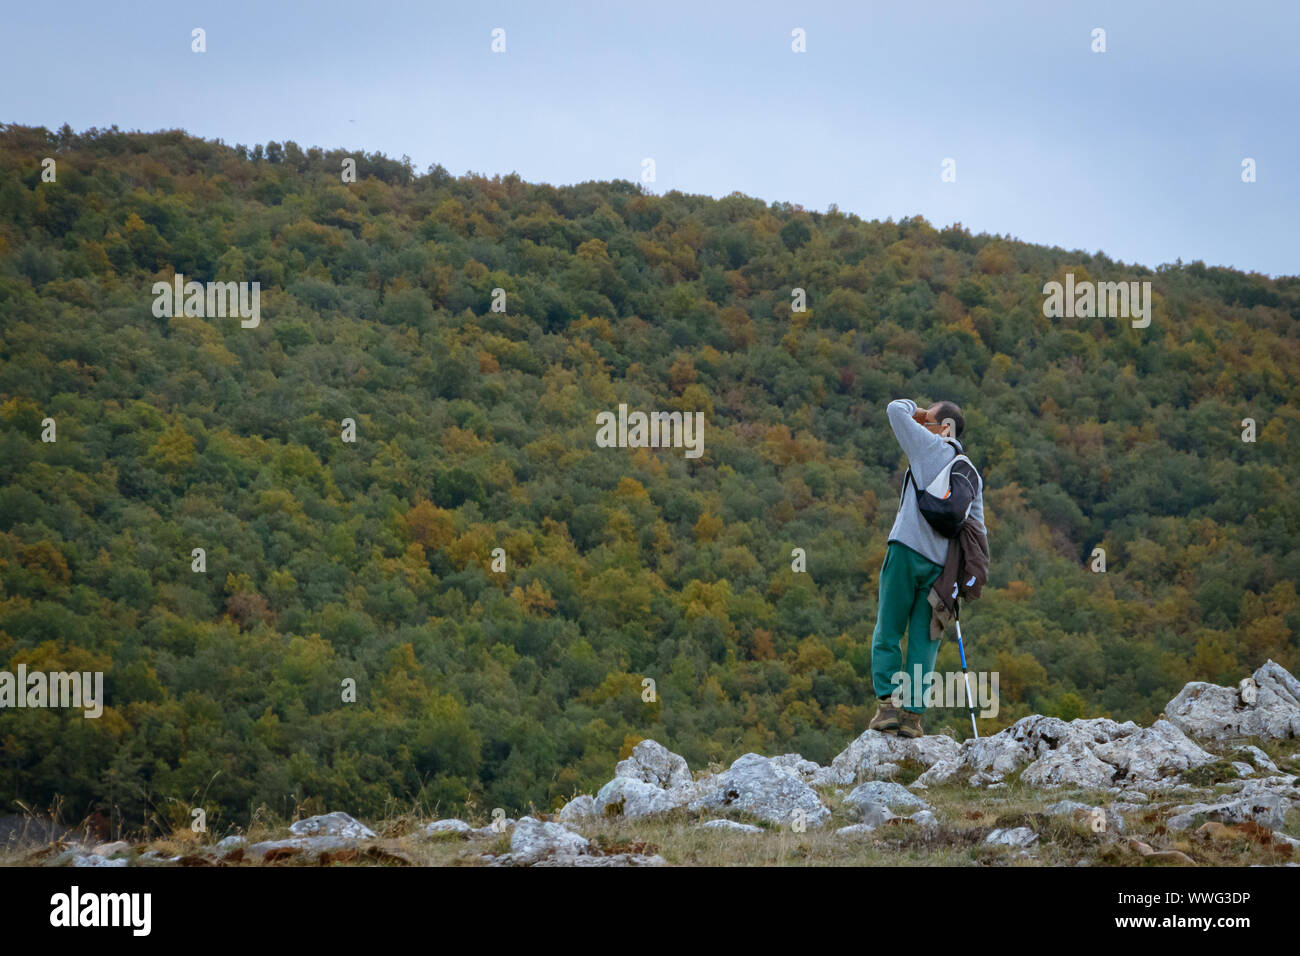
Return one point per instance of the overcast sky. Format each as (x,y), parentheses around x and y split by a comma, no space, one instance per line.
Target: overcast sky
(1136,152)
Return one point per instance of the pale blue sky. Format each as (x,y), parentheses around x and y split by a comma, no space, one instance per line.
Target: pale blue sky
(1136,152)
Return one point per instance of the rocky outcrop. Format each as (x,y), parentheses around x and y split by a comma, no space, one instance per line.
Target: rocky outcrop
(655,780)
(1240,794)
(1094,754)
(1265,705)
(877,756)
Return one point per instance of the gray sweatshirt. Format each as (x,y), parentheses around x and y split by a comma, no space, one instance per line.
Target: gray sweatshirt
(927,454)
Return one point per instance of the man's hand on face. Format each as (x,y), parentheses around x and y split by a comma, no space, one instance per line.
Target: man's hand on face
(926,418)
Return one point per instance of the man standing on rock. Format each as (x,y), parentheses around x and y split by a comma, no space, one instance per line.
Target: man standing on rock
(914,558)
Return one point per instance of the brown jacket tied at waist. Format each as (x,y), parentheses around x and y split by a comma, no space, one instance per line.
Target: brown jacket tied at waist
(964,574)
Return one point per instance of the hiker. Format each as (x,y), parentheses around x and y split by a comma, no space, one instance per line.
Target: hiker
(916,557)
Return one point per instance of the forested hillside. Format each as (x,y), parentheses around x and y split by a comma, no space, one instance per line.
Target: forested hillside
(475,430)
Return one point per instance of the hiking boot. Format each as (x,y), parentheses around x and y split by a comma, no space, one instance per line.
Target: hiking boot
(909,725)
(887,717)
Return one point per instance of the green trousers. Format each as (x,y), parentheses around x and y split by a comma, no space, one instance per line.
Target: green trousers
(905,580)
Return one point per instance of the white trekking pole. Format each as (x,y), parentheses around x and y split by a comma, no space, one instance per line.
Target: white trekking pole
(970,701)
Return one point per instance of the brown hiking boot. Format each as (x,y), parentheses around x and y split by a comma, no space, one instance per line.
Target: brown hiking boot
(887,717)
(909,724)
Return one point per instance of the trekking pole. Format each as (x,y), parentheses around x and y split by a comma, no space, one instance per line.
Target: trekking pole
(970,701)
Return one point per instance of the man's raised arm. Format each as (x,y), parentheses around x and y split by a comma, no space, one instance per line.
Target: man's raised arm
(915,439)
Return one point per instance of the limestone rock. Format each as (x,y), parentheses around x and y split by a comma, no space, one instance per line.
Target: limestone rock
(887,793)
(1152,753)
(580,807)
(1268,708)
(1070,765)
(651,762)
(763,787)
(876,756)
(806,769)
(1015,836)
(924,818)
(533,840)
(332,824)
(729,825)
(1258,758)
(447,826)
(1267,810)
(875,814)
(636,798)
(940,772)
(856,830)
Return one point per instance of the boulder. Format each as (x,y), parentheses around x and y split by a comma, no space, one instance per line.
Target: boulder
(1268,810)
(447,826)
(875,814)
(924,818)
(1267,707)
(1015,836)
(730,825)
(651,762)
(856,830)
(533,840)
(887,793)
(580,807)
(1152,753)
(1258,758)
(939,772)
(763,787)
(636,798)
(1072,765)
(876,756)
(806,769)
(332,824)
